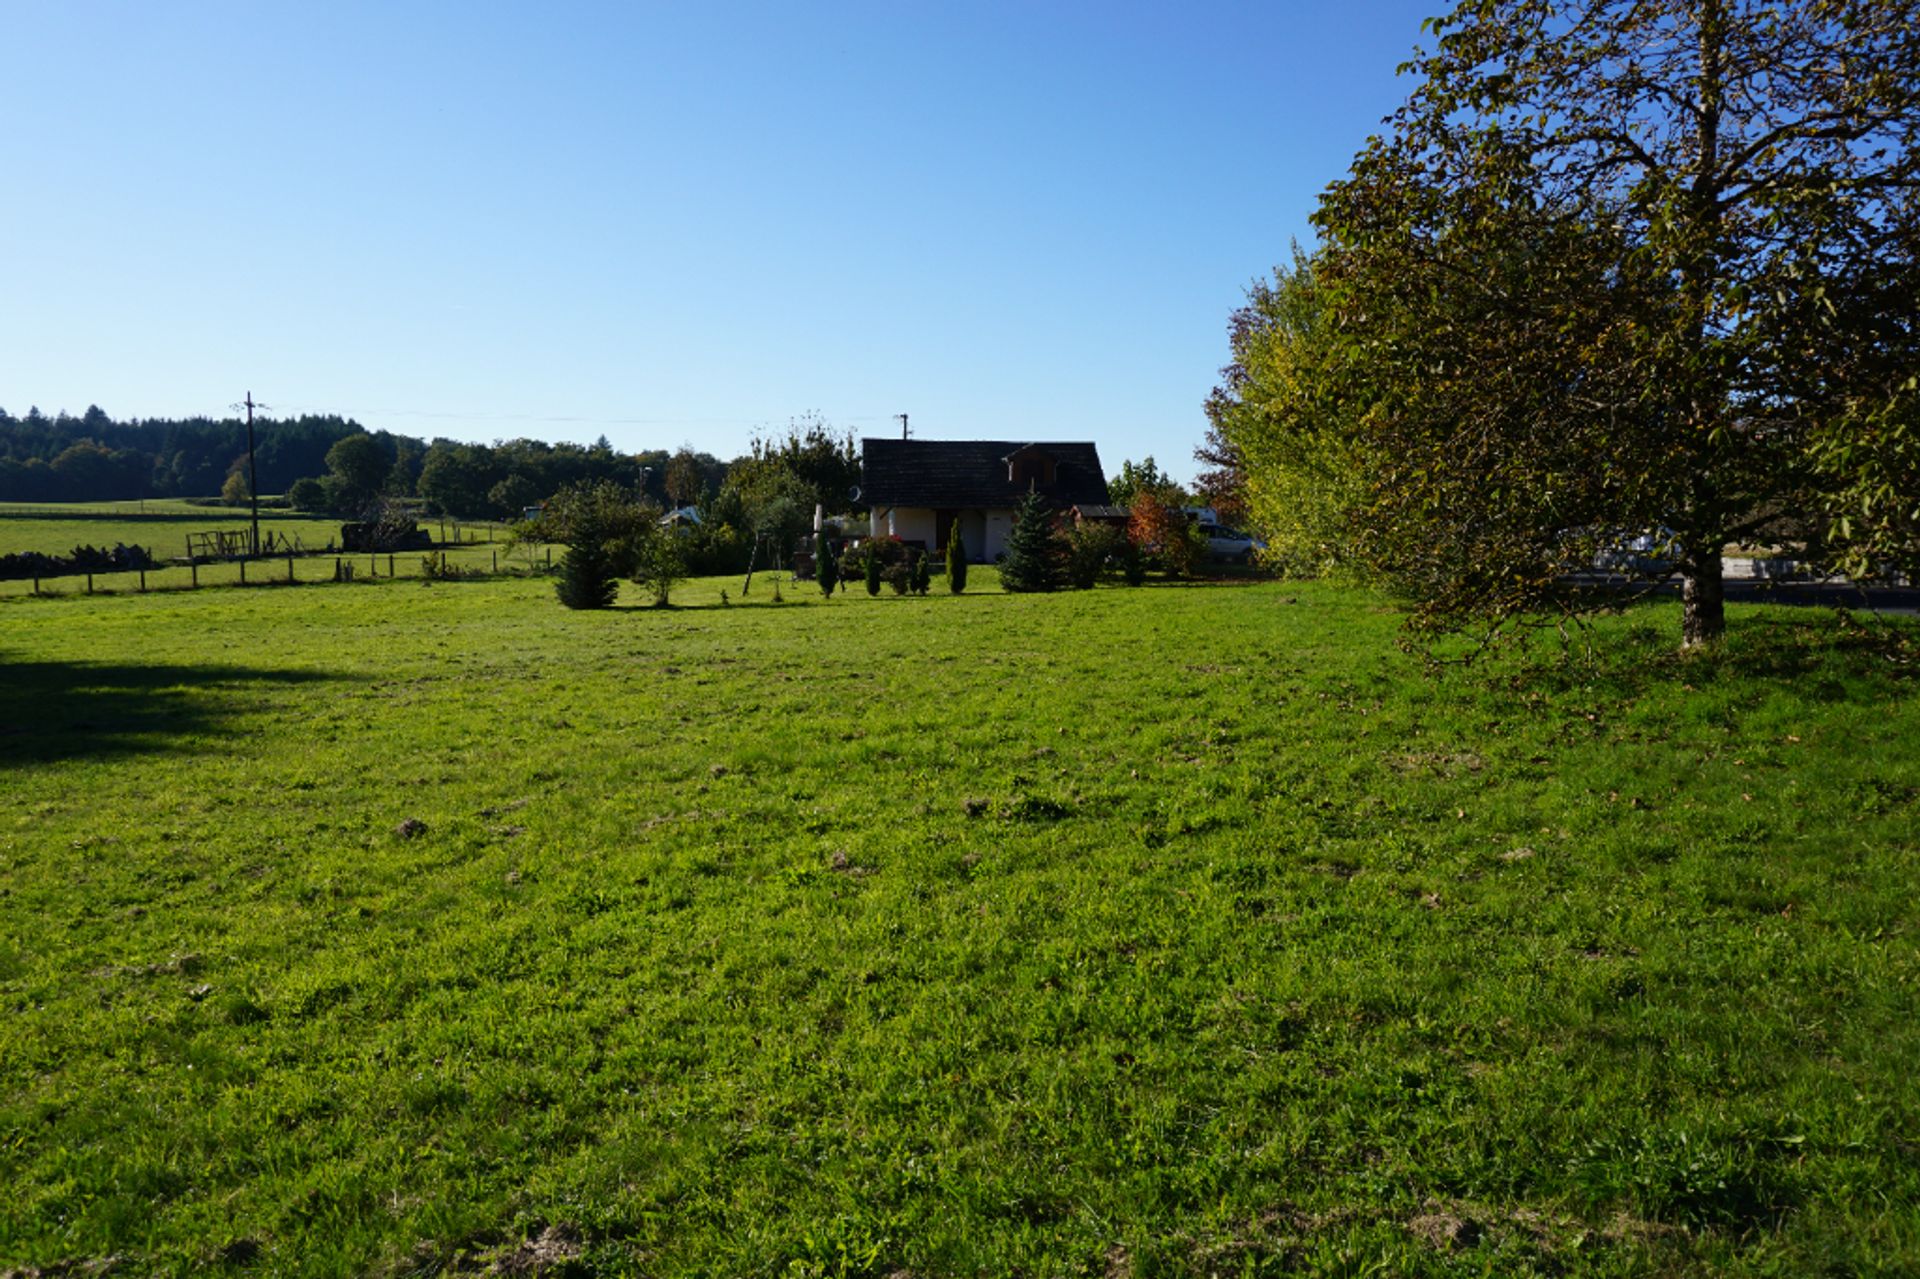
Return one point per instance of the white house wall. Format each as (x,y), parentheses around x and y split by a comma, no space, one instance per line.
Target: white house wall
(984,532)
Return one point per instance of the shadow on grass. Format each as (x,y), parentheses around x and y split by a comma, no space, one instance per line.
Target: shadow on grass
(52,711)
(1828,657)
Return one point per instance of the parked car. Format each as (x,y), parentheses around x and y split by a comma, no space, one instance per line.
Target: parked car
(1225,543)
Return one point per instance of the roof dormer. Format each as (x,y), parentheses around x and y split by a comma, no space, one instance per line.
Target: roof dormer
(1030,466)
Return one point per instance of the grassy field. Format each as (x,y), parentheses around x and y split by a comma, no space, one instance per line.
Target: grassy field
(162,524)
(404,928)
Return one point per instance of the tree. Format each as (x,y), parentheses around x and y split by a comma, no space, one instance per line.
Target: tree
(1033,553)
(956,560)
(1142,477)
(234,491)
(683,482)
(1279,425)
(871,567)
(1159,530)
(922,573)
(359,467)
(655,558)
(606,532)
(826,570)
(306,494)
(1620,265)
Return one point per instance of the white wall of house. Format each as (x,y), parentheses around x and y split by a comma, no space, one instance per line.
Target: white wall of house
(984,532)
(911,524)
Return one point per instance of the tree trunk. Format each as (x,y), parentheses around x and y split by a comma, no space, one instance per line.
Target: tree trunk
(1703,602)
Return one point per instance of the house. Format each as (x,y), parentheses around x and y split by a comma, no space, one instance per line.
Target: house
(920,489)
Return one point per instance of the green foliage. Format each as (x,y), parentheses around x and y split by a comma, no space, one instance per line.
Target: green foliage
(870,565)
(359,467)
(1303,470)
(234,491)
(307,495)
(1143,477)
(609,534)
(1090,548)
(956,561)
(1553,330)
(922,572)
(1033,548)
(826,566)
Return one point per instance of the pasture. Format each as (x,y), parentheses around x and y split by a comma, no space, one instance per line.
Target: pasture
(407,928)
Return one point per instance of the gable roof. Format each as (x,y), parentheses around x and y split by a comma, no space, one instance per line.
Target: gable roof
(973,473)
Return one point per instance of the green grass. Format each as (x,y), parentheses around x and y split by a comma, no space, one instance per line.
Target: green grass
(397,928)
(162,525)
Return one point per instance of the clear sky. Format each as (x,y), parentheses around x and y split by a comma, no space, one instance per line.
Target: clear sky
(667,223)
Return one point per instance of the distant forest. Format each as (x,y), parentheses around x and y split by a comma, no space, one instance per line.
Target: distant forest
(335,465)
(95,458)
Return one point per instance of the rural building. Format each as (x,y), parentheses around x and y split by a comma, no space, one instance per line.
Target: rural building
(919,489)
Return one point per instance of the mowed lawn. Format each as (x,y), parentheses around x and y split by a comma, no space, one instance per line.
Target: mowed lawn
(398,928)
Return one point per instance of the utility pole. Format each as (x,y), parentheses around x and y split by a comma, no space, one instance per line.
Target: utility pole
(903,424)
(253,477)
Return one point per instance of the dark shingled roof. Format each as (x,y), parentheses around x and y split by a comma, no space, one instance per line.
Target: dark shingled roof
(972,473)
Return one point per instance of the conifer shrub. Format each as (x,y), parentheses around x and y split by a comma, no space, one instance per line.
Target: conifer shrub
(1033,552)
(871,570)
(956,561)
(826,570)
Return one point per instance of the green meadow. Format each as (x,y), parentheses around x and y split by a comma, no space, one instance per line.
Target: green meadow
(406,928)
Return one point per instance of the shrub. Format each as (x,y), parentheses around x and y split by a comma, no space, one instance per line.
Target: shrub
(307,495)
(825,570)
(1089,549)
(656,561)
(872,568)
(922,573)
(956,561)
(899,577)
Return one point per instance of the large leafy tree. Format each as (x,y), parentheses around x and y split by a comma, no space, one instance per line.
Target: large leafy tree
(1631,264)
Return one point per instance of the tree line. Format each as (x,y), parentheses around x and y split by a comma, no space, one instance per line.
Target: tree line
(1615,270)
(334,465)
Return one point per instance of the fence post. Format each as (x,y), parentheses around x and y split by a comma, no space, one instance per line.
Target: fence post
(289,570)
(193,567)
(89,583)
(549,557)
(496,561)
(243,571)
(389,566)
(336,568)
(36,584)
(143,581)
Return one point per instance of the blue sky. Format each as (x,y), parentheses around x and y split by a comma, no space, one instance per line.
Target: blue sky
(667,224)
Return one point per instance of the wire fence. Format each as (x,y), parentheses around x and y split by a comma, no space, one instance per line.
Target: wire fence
(472,560)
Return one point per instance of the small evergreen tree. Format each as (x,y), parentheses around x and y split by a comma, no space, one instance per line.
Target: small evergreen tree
(825,569)
(1032,557)
(922,574)
(587,576)
(956,561)
(873,569)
